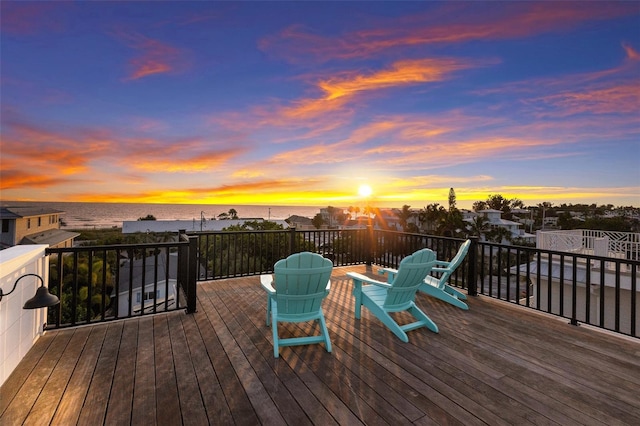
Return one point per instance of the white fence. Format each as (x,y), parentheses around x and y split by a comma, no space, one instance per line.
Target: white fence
(20,328)
(620,245)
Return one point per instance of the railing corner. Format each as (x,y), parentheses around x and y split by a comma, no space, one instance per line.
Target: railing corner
(472,276)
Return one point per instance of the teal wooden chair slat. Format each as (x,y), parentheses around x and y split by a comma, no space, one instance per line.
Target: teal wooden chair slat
(295,294)
(397,294)
(439,287)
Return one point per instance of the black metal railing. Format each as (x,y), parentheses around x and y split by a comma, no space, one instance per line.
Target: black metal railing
(104,283)
(548,281)
(94,283)
(223,254)
(594,290)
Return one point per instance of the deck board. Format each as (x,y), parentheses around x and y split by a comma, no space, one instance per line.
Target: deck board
(494,364)
(144,395)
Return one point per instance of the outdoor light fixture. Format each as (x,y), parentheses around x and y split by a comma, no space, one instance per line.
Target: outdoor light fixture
(42,299)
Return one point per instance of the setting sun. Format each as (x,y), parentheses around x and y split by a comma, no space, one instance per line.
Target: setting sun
(365,190)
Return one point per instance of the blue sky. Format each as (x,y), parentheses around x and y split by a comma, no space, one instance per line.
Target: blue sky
(302,103)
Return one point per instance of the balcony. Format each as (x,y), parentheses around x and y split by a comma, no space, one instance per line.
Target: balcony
(207,358)
(496,363)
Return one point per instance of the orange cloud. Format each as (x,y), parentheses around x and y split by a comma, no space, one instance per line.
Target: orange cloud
(615,98)
(401,73)
(632,54)
(340,90)
(40,148)
(76,152)
(154,57)
(150,161)
(17,177)
(446,24)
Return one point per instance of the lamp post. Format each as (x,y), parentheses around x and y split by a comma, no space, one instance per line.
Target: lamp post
(42,299)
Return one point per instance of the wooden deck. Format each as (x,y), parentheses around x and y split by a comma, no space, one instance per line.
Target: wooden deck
(494,364)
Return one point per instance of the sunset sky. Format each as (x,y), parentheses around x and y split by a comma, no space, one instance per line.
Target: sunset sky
(301,103)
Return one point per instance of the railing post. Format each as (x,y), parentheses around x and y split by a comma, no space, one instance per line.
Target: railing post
(472,262)
(292,240)
(370,244)
(192,276)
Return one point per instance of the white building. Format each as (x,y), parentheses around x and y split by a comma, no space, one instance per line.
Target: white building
(494,220)
(147,284)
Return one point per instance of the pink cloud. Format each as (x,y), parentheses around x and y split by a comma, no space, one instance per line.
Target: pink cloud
(28,18)
(614,90)
(154,57)
(448,24)
(632,54)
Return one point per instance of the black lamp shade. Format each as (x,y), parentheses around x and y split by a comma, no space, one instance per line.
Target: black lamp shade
(42,299)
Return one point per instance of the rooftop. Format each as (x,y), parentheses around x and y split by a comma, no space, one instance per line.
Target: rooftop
(14,212)
(494,364)
(52,237)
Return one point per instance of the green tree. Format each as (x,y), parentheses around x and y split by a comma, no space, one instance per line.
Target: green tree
(452,199)
(255,225)
(478,226)
(498,202)
(317,221)
(432,217)
(479,206)
(353,211)
(81,296)
(404,215)
(498,235)
(452,224)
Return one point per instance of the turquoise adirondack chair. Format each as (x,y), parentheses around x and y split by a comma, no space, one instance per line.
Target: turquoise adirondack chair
(397,294)
(439,288)
(295,294)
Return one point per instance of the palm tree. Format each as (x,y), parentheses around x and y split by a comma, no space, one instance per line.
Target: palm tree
(478,226)
(404,215)
(432,217)
(499,234)
(353,212)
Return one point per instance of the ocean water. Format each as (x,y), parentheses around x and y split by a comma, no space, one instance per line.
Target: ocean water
(108,215)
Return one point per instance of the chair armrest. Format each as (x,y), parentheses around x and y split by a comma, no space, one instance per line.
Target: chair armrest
(391,273)
(267,283)
(440,269)
(328,285)
(442,263)
(365,279)
(387,270)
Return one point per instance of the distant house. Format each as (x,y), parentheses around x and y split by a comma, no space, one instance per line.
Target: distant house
(33,225)
(390,219)
(360,222)
(333,216)
(300,222)
(494,220)
(150,282)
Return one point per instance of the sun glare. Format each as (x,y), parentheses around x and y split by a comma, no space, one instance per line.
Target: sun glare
(365,190)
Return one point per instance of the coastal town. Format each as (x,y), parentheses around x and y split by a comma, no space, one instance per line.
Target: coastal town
(495,219)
